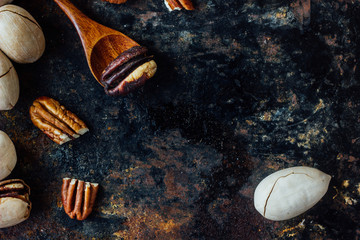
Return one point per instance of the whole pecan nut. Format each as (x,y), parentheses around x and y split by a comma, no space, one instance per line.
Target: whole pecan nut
(15,205)
(130,70)
(78,197)
(179,4)
(54,120)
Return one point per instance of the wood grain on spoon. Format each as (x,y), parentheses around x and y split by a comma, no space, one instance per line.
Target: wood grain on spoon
(101,44)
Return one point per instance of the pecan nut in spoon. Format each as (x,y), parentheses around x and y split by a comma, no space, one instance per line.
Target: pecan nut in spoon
(130,70)
(102,45)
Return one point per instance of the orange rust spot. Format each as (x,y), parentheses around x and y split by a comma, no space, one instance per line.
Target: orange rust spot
(289,230)
(150,224)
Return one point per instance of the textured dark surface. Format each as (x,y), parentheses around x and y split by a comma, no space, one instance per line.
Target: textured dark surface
(243,88)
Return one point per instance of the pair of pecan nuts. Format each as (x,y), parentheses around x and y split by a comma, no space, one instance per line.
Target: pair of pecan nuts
(61,125)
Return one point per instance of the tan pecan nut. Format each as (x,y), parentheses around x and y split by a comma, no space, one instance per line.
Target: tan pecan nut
(178,5)
(54,120)
(15,205)
(78,197)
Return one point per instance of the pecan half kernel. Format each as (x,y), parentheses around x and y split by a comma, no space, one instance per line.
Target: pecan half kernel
(178,5)
(15,205)
(78,197)
(54,120)
(130,70)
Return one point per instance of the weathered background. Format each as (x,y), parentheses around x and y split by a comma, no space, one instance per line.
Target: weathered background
(243,88)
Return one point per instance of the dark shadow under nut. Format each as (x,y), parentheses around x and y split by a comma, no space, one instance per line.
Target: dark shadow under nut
(130,70)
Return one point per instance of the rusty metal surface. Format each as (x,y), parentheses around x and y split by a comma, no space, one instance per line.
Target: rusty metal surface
(243,88)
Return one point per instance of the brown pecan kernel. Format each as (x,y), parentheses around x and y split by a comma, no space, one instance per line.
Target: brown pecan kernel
(179,4)
(78,197)
(55,121)
(130,70)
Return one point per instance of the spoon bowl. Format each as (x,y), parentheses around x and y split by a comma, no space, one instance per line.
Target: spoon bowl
(105,51)
(101,44)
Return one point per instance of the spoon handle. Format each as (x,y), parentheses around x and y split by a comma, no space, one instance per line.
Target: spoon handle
(88,30)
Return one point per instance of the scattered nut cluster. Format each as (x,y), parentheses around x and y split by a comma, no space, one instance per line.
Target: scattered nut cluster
(23,41)
(280,196)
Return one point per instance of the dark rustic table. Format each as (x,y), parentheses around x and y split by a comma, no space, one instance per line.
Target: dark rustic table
(243,88)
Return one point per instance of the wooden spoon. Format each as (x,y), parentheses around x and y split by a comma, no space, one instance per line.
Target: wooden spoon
(101,44)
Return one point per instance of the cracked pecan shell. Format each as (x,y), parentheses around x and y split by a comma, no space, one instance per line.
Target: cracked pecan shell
(15,205)
(56,121)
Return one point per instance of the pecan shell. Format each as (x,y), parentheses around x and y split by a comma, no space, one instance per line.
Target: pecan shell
(78,197)
(54,120)
(15,205)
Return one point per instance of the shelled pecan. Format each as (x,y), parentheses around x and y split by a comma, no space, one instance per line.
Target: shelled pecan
(55,121)
(78,197)
(179,4)
(130,70)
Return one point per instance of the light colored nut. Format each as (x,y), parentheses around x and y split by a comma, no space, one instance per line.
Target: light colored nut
(21,38)
(9,84)
(3,2)
(290,192)
(15,205)
(7,155)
